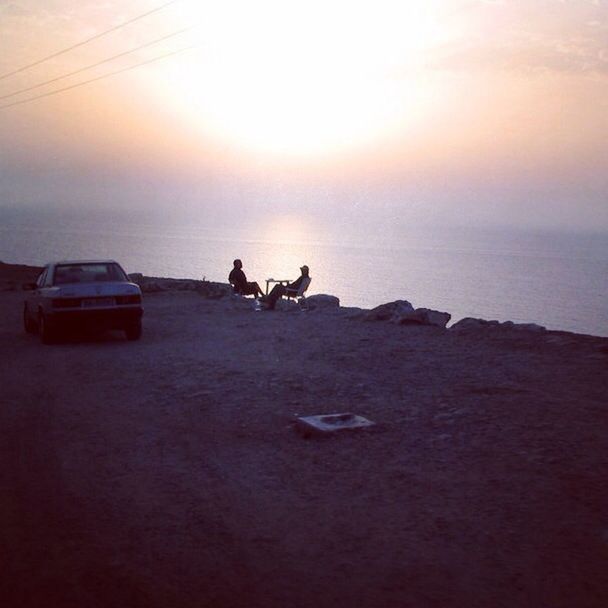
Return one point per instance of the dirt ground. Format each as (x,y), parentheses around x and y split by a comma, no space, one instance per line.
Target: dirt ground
(168,473)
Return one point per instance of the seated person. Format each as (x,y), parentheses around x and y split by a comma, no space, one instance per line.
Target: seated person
(239,281)
(290,289)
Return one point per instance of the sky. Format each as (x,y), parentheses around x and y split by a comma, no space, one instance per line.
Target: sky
(381,112)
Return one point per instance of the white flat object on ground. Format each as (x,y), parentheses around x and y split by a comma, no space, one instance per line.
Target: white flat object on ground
(325,424)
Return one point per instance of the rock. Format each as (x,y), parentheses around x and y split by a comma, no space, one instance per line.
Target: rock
(533,327)
(151,287)
(287,304)
(207,289)
(469,323)
(423,316)
(401,312)
(385,312)
(187,285)
(352,312)
(436,317)
(322,301)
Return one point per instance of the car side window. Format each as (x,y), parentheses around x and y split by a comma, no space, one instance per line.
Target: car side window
(48,279)
(42,277)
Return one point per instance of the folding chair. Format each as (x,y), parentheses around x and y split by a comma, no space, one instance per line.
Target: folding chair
(298,294)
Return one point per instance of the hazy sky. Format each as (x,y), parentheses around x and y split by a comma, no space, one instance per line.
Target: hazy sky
(422,112)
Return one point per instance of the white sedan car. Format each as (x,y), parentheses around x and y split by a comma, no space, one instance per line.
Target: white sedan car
(95,294)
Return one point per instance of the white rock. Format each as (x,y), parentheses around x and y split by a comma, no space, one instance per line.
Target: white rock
(388,311)
(436,317)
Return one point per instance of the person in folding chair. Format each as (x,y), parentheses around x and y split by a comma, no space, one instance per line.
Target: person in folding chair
(291,290)
(239,282)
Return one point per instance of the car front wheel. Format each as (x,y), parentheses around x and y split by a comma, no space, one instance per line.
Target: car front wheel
(28,324)
(133,331)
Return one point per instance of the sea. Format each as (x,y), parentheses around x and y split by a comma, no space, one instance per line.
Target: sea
(553,278)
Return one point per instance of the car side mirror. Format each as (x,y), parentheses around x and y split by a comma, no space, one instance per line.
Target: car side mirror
(29,286)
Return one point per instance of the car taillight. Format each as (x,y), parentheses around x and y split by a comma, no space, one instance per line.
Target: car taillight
(135,299)
(66,302)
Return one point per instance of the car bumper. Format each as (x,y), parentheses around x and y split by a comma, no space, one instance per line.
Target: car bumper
(107,318)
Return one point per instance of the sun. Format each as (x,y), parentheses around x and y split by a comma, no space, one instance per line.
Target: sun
(312,78)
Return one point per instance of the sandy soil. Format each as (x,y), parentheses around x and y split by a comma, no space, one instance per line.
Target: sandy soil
(168,473)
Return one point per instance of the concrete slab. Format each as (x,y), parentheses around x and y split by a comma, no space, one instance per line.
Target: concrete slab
(326,424)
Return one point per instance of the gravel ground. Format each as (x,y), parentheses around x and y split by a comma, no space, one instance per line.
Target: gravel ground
(167,472)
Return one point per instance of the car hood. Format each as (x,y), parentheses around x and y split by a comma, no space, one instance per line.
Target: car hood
(105,288)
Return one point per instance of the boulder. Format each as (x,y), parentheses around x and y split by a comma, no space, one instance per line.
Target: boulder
(287,305)
(423,316)
(352,312)
(533,327)
(469,323)
(322,301)
(387,311)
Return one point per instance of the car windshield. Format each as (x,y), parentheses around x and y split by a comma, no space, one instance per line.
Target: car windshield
(88,273)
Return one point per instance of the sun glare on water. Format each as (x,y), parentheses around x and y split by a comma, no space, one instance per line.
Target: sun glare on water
(311,78)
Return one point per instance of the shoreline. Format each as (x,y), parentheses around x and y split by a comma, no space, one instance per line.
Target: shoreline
(13,275)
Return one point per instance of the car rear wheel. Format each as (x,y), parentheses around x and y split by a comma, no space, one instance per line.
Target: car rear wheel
(47,334)
(29,325)
(133,331)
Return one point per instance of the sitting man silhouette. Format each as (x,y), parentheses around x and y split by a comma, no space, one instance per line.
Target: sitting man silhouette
(280,290)
(240,284)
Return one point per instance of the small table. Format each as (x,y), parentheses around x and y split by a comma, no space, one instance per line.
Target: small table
(281,281)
